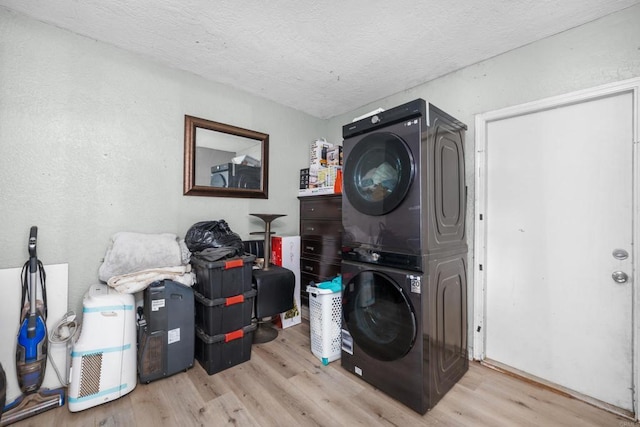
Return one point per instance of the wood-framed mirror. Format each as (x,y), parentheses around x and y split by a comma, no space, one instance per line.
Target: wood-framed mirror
(222,160)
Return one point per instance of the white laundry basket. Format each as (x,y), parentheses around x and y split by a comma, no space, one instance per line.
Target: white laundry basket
(325,314)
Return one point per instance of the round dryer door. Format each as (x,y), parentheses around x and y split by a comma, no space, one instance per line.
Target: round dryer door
(378,173)
(378,315)
(219,179)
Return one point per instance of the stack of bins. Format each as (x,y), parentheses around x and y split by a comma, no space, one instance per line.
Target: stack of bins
(224,305)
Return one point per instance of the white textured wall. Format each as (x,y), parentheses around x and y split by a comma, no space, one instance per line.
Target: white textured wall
(91,136)
(600,52)
(91,143)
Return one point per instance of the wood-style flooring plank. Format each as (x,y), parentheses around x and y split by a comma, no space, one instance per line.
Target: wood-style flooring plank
(260,400)
(321,390)
(284,384)
(150,404)
(181,398)
(281,358)
(305,412)
(224,410)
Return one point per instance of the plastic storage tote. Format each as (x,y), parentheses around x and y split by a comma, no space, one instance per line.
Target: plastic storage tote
(219,352)
(325,318)
(222,315)
(224,278)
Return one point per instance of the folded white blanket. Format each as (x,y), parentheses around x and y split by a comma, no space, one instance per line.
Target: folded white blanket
(130,252)
(138,281)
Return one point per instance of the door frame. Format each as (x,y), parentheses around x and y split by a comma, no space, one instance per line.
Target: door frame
(482,121)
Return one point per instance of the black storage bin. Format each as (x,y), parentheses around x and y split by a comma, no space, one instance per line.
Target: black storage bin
(222,315)
(224,278)
(219,352)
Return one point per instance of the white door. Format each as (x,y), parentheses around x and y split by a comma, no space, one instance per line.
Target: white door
(558,222)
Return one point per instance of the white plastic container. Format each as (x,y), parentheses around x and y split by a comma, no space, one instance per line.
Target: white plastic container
(325,321)
(103,360)
(285,252)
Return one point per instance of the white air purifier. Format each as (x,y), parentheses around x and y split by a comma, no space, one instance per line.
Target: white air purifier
(103,359)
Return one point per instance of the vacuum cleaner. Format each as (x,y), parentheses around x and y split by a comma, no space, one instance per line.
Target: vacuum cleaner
(32,345)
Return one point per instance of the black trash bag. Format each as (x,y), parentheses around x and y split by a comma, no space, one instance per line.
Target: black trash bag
(213,234)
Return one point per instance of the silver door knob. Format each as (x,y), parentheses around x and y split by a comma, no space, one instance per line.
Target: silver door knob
(620,277)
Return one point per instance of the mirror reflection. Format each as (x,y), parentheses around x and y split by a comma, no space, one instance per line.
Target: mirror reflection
(227,161)
(224,160)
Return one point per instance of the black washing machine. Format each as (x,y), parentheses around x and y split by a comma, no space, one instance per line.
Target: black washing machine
(231,175)
(403,186)
(404,332)
(404,250)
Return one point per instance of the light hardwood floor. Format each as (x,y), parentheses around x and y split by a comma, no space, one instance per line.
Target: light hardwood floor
(284,384)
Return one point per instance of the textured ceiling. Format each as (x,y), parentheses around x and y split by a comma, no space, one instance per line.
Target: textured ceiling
(323,58)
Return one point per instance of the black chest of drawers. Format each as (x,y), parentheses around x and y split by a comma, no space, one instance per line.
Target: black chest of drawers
(320,240)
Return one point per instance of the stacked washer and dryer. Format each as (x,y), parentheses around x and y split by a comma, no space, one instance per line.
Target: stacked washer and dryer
(404,251)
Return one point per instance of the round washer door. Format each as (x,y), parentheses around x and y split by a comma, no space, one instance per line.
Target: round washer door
(219,179)
(379,316)
(377,174)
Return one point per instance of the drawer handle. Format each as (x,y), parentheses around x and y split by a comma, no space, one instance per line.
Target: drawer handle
(310,248)
(308,268)
(310,229)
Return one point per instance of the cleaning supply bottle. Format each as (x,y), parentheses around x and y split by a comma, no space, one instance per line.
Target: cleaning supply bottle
(337,185)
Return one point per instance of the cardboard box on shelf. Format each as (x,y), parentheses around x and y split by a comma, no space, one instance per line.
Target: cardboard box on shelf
(313,176)
(285,252)
(334,156)
(327,176)
(304,178)
(321,181)
(318,154)
(315,191)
